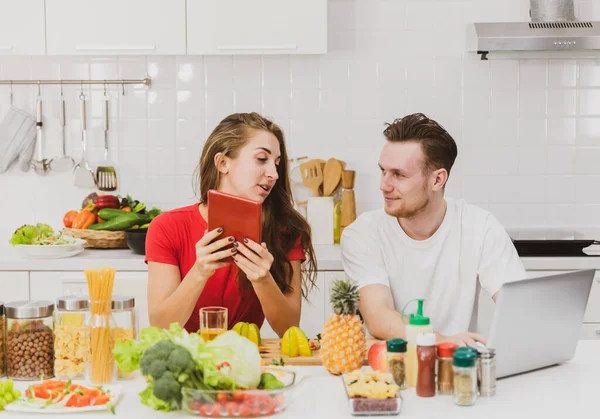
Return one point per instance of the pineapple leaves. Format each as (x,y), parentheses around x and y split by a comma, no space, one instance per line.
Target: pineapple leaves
(344,297)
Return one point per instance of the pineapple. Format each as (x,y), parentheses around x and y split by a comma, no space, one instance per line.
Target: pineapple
(343,343)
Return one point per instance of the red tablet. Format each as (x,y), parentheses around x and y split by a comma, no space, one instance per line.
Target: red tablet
(239,217)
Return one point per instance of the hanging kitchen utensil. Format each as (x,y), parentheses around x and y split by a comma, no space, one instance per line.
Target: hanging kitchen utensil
(41,166)
(62,163)
(106,174)
(83,175)
(312,176)
(332,175)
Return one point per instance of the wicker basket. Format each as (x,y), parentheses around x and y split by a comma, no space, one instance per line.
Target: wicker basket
(99,239)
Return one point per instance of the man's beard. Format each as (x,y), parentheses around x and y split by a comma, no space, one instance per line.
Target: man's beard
(410,211)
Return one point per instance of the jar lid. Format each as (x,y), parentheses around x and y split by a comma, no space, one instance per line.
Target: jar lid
(122,302)
(26,309)
(464,358)
(1,308)
(467,349)
(446,349)
(426,339)
(72,303)
(486,353)
(396,345)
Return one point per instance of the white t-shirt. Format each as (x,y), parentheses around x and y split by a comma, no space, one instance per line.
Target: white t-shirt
(444,269)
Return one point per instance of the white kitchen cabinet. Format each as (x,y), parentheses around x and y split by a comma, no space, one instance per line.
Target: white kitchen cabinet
(115,27)
(14,286)
(313,312)
(22,27)
(216,27)
(51,285)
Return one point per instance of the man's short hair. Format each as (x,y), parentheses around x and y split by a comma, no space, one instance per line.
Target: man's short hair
(438,146)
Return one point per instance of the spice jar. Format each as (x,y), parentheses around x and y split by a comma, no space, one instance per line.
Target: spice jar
(396,357)
(70,337)
(465,378)
(29,340)
(2,342)
(426,365)
(445,380)
(486,372)
(126,321)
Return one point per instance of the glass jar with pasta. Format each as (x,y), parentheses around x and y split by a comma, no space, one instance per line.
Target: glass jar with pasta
(100,366)
(125,316)
(70,337)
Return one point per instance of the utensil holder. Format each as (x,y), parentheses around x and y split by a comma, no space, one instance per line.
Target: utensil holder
(319,214)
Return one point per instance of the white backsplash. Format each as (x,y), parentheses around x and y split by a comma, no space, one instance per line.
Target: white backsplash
(528,130)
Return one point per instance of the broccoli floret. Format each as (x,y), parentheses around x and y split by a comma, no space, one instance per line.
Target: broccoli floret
(167,388)
(157,369)
(171,367)
(159,351)
(180,361)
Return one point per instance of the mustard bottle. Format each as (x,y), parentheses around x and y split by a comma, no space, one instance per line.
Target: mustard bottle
(417,324)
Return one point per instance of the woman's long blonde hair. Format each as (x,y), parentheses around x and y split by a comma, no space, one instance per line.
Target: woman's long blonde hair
(282,224)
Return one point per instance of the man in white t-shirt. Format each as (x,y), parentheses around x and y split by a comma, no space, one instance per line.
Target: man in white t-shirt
(422,245)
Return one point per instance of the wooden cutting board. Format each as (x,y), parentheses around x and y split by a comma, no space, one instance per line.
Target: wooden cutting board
(270,350)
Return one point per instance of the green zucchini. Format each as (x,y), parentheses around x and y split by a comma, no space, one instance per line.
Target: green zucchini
(122,222)
(110,213)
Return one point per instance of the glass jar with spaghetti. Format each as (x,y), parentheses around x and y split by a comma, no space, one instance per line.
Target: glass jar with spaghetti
(100,366)
(29,340)
(126,320)
(70,337)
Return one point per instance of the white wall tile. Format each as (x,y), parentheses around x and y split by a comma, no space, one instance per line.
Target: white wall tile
(562,103)
(247,100)
(562,73)
(190,73)
(589,102)
(162,104)
(588,131)
(561,159)
(247,72)
(589,73)
(277,72)
(586,160)
(532,160)
(561,130)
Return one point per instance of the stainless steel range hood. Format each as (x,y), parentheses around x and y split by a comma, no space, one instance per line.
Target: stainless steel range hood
(485,38)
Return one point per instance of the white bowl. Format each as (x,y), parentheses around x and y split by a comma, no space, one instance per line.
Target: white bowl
(50,251)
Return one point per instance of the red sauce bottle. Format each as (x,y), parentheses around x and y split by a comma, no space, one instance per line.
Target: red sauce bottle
(426,358)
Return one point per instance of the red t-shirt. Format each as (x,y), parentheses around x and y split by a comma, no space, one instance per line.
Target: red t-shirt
(172,239)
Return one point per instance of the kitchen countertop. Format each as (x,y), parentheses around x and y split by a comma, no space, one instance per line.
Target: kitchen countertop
(568,390)
(328,259)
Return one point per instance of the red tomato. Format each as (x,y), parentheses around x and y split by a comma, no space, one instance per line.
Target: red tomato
(239,396)
(215,410)
(232,408)
(245,410)
(223,398)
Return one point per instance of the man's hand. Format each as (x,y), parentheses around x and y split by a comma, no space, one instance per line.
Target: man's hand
(462,339)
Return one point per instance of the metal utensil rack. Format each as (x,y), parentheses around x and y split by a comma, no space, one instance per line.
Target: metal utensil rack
(146,81)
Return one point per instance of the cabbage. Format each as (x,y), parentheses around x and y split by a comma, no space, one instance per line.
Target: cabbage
(242,356)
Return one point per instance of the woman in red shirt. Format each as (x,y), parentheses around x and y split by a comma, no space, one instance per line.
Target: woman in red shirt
(245,155)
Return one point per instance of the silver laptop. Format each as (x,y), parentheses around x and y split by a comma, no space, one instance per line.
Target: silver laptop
(537,321)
